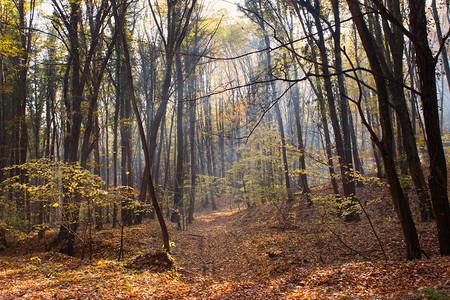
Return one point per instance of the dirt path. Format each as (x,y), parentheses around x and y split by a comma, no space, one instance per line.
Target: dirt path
(240,246)
(210,246)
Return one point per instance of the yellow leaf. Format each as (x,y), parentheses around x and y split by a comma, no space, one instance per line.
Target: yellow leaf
(56,204)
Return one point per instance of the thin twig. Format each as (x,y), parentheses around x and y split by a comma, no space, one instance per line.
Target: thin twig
(346,246)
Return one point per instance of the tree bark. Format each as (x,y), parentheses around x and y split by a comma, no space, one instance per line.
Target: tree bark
(303,178)
(399,198)
(193,166)
(426,64)
(179,180)
(119,21)
(408,140)
(348,177)
(71,207)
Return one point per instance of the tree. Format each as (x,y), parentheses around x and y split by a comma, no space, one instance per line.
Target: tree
(255,10)
(407,143)
(426,64)
(77,76)
(16,38)
(119,17)
(179,178)
(342,148)
(399,198)
(176,22)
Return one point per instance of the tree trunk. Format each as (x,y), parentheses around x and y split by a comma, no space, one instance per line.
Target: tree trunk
(324,122)
(347,180)
(176,33)
(210,154)
(303,178)
(348,177)
(408,141)
(165,233)
(274,99)
(192,119)
(179,180)
(192,130)
(426,64)
(399,198)
(3,151)
(71,204)
(115,151)
(98,205)
(123,97)
(444,53)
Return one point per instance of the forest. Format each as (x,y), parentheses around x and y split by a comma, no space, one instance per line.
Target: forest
(206,149)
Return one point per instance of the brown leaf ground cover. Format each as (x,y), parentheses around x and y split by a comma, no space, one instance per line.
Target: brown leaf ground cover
(273,251)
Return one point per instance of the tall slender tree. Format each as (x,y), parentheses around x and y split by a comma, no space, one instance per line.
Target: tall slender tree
(399,198)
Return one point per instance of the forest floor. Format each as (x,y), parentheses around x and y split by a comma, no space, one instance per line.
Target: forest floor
(272,251)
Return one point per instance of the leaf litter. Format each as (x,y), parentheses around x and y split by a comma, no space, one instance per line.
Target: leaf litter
(230,254)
